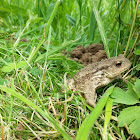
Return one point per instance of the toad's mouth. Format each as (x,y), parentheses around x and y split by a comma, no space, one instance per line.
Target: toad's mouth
(124,69)
(115,74)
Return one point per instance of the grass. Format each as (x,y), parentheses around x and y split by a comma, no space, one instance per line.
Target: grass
(32,36)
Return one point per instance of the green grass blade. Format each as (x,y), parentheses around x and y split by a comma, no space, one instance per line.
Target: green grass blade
(31,104)
(36,94)
(60,47)
(21,33)
(86,126)
(52,16)
(36,50)
(108,112)
(131,28)
(92,26)
(101,28)
(46,30)
(12,100)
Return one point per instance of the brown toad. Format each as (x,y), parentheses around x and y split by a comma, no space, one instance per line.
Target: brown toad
(96,75)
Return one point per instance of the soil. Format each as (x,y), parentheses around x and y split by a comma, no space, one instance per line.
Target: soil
(14,39)
(88,55)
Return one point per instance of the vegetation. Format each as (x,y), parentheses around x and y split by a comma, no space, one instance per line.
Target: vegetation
(33,69)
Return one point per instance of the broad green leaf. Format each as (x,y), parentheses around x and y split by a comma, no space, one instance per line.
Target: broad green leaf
(138,67)
(8,68)
(87,124)
(35,71)
(21,64)
(123,97)
(137,51)
(11,66)
(3,82)
(135,128)
(137,87)
(128,115)
(131,91)
(45,114)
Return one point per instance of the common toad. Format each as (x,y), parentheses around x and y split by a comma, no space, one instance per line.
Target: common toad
(96,75)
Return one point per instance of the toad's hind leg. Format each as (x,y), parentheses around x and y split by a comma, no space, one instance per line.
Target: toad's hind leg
(91,97)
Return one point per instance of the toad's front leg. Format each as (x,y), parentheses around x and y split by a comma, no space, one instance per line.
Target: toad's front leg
(91,97)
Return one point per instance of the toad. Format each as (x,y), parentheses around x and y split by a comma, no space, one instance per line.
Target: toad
(96,75)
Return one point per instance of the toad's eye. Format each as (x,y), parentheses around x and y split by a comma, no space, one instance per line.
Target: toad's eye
(118,64)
